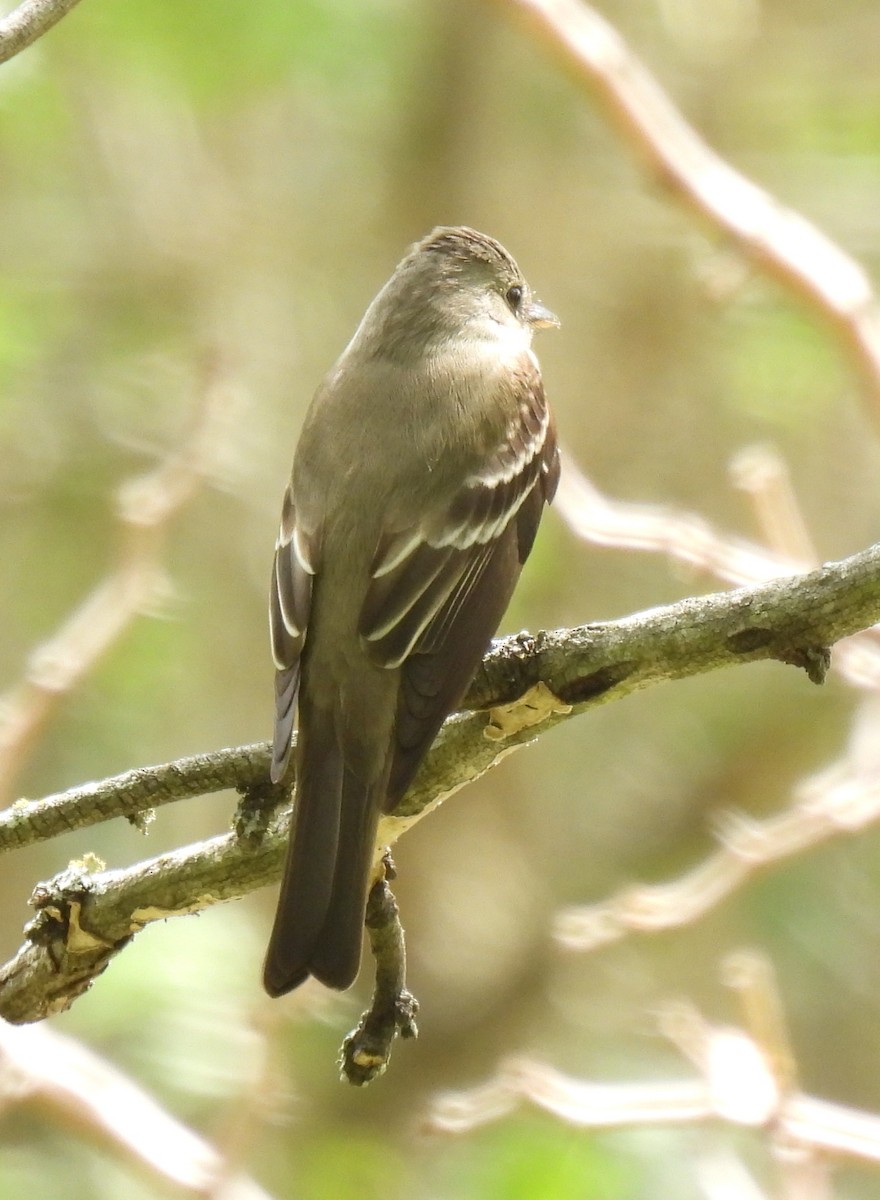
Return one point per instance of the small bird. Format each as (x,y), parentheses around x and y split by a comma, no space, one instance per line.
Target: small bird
(422,470)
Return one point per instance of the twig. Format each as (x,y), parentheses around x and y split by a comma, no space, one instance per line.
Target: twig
(658,529)
(131,794)
(762,474)
(29,21)
(828,1127)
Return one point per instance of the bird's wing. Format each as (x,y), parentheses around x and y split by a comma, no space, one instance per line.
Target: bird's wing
(290,599)
(440,587)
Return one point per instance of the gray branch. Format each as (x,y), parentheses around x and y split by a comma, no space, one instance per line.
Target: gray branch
(525,686)
(29,21)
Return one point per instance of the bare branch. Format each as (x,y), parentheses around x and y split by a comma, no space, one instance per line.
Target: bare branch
(762,474)
(828,1127)
(30,21)
(84,919)
(838,800)
(131,794)
(136,586)
(741,1081)
(776,239)
(581,667)
(684,536)
(44,1067)
(689,539)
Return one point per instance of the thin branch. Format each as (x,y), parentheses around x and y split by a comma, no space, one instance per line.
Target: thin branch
(527,685)
(42,1066)
(739,1083)
(839,800)
(131,794)
(683,536)
(136,586)
(827,1127)
(689,539)
(762,474)
(29,21)
(778,240)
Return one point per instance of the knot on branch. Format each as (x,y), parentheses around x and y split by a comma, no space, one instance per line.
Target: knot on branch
(61,956)
(766,643)
(258,805)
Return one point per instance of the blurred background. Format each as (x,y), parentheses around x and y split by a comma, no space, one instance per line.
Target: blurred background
(197,204)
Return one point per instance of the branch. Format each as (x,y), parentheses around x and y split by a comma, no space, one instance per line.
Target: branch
(744,1078)
(145,505)
(132,794)
(803,1119)
(687,538)
(45,1068)
(838,800)
(366,1051)
(587,665)
(527,685)
(778,240)
(30,21)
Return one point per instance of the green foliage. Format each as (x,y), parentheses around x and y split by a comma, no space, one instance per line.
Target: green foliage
(347,1166)
(219,55)
(782,371)
(537,1160)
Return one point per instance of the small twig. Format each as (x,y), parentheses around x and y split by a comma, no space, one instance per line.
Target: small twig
(366,1051)
(684,537)
(827,1127)
(752,977)
(132,794)
(29,21)
(763,475)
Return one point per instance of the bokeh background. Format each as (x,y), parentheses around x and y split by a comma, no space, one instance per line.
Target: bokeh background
(205,197)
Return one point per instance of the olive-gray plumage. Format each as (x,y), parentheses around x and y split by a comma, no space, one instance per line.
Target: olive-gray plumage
(422,469)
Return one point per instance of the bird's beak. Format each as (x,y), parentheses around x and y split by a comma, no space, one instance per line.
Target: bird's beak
(540,317)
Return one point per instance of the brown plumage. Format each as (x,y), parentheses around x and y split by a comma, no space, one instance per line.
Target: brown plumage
(419,480)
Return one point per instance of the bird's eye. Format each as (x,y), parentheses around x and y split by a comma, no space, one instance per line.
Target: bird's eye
(514,296)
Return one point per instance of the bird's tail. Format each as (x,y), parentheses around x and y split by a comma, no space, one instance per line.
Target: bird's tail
(319,923)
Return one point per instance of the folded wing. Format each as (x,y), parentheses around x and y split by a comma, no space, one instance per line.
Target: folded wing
(290,599)
(440,587)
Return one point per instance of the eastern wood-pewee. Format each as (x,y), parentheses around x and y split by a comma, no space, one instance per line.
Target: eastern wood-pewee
(424,464)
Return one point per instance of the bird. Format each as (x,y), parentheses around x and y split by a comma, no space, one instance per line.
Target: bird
(423,466)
